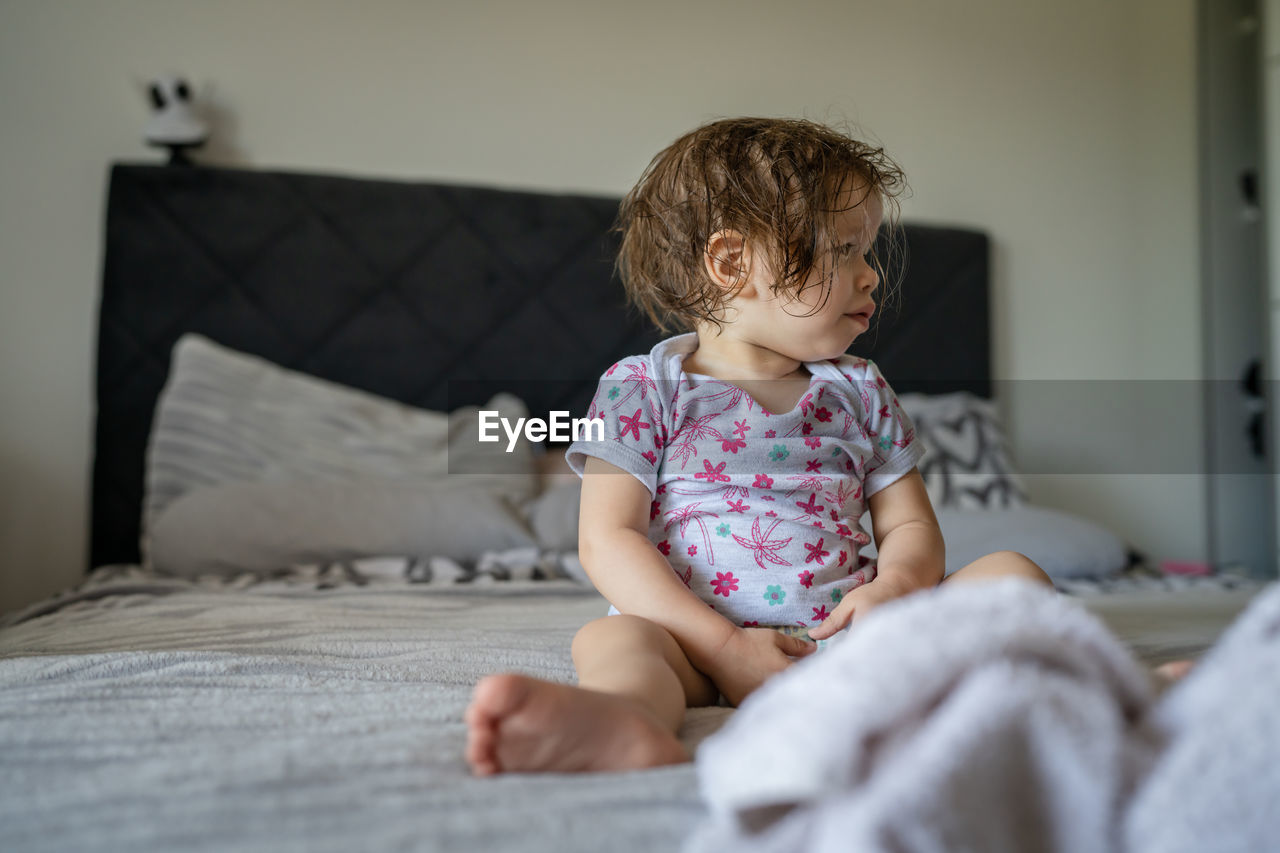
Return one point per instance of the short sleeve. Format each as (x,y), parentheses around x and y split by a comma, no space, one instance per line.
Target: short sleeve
(627,404)
(895,448)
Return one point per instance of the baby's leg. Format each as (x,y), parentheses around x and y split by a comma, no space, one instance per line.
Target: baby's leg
(634,682)
(1001,564)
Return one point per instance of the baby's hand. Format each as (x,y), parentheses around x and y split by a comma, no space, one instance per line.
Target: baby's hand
(859,603)
(750,656)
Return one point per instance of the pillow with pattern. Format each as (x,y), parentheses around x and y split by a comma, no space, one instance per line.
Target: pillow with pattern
(966,463)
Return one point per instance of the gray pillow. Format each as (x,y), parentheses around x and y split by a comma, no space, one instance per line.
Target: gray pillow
(264,527)
(553,516)
(1065,546)
(226,418)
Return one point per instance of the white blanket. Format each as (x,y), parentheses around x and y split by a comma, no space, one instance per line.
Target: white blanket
(1000,717)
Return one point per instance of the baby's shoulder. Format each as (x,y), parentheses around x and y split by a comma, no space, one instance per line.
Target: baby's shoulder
(631,367)
(857,369)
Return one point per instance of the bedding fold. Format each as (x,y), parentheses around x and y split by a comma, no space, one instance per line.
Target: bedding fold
(1001,717)
(990,717)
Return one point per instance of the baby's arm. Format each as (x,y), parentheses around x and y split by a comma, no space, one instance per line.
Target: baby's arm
(627,569)
(910,550)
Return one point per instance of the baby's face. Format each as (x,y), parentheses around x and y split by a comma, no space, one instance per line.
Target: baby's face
(836,303)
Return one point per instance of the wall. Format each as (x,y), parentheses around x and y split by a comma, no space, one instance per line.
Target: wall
(1065,129)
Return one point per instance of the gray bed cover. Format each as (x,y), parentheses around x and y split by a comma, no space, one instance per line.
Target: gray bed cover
(146,714)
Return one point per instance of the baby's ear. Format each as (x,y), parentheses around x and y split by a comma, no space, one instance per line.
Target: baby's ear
(727,258)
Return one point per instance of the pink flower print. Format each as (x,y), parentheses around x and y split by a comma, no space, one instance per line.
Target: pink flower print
(806,403)
(741,428)
(732,445)
(763,482)
(807,428)
(858,576)
(862,537)
(884,411)
(848,464)
(654,508)
(693,550)
(657,441)
(712,475)
(816,553)
(767,498)
(820,613)
(771,514)
(812,507)
(762,547)
(738,506)
(843,529)
(813,442)
(835,516)
(633,424)
(651,456)
(806,578)
(751,624)
(665,547)
(724,583)
(662,490)
(770,433)
(823,414)
(843,556)
(812,465)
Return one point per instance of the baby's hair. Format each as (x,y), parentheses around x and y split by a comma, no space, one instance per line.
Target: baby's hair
(777,182)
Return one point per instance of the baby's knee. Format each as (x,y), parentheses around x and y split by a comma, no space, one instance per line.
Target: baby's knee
(1015,564)
(608,633)
(1002,564)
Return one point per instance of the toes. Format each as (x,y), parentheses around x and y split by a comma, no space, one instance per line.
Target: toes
(494,698)
(498,696)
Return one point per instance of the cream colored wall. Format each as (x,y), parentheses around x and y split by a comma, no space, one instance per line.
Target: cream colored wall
(1065,129)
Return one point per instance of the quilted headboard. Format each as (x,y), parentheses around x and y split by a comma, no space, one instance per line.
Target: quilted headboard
(432,294)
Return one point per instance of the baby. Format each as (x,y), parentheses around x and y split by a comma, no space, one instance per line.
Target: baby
(721,512)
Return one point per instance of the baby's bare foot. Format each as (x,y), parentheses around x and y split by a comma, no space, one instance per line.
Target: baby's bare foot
(1169,673)
(517,724)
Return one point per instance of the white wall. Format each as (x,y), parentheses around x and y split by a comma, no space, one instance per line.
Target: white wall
(1065,129)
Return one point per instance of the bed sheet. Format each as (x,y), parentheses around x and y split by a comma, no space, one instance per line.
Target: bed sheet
(297,714)
(322,710)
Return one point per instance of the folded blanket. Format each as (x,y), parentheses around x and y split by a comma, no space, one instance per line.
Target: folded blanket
(1216,785)
(989,717)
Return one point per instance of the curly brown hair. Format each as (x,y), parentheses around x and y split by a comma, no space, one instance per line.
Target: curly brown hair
(777,182)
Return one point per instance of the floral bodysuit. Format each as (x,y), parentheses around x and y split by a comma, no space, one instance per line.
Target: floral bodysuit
(758,513)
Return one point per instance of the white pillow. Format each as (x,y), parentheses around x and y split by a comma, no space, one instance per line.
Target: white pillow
(227,418)
(966,463)
(1066,546)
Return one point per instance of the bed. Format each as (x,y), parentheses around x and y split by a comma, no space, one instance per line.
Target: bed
(286,612)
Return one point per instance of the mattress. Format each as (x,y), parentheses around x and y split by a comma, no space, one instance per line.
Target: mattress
(322,710)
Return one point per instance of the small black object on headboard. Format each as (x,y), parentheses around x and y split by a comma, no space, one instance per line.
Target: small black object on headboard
(411,291)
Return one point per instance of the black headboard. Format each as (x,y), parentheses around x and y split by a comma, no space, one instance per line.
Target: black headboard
(430,294)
